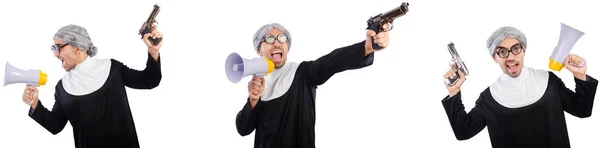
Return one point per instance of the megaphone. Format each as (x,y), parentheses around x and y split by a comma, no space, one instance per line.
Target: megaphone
(30,77)
(237,67)
(568,37)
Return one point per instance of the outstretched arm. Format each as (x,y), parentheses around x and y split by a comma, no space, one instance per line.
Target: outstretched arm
(147,79)
(358,55)
(245,121)
(465,125)
(341,59)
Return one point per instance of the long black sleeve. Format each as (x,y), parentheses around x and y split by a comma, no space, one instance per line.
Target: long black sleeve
(580,102)
(54,121)
(341,59)
(246,119)
(464,125)
(149,78)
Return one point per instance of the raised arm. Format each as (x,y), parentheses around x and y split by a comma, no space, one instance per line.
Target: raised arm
(465,125)
(148,78)
(580,102)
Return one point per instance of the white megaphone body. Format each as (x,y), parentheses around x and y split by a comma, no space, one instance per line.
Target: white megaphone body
(30,77)
(237,67)
(568,38)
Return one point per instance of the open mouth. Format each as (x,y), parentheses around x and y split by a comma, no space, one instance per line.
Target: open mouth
(512,67)
(63,62)
(276,55)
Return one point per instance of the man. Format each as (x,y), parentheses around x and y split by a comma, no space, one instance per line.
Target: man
(92,95)
(524,106)
(281,106)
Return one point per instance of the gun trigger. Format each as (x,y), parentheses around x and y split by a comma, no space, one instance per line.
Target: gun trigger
(390,26)
(155,24)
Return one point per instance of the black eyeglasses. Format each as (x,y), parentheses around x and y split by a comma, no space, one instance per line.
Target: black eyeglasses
(271,38)
(503,52)
(56,48)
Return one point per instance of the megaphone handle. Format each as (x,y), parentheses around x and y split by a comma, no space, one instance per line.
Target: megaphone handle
(580,64)
(32,93)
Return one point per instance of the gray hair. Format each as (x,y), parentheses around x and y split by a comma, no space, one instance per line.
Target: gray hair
(260,33)
(77,36)
(502,33)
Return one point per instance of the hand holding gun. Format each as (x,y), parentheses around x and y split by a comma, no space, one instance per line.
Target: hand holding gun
(457,64)
(149,25)
(376,23)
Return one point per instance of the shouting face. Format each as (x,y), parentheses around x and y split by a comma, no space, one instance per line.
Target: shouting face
(274,46)
(66,53)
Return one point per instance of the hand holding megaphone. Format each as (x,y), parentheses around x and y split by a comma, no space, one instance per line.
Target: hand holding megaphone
(574,61)
(30,96)
(237,68)
(576,66)
(255,89)
(568,38)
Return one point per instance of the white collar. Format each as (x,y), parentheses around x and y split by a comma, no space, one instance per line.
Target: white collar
(525,89)
(86,77)
(279,81)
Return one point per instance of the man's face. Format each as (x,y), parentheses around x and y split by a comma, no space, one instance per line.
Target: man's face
(509,55)
(66,53)
(274,47)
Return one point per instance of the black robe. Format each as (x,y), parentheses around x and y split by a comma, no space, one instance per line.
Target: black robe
(101,119)
(289,121)
(538,125)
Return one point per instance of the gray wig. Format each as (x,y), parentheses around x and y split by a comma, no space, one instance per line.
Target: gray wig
(77,36)
(260,33)
(502,33)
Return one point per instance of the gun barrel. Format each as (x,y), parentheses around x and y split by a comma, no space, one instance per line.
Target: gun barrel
(152,16)
(452,50)
(396,12)
(460,64)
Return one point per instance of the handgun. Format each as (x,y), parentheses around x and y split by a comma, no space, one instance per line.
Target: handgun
(149,25)
(456,64)
(376,22)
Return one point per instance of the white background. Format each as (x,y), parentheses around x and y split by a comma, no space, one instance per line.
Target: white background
(393,103)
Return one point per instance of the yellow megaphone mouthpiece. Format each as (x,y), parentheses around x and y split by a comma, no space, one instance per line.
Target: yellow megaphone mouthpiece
(43,78)
(271,66)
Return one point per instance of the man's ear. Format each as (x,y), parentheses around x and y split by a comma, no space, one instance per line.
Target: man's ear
(259,51)
(495,59)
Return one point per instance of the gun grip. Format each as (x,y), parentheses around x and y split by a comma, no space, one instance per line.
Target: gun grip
(375,27)
(452,81)
(154,41)
(374,45)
